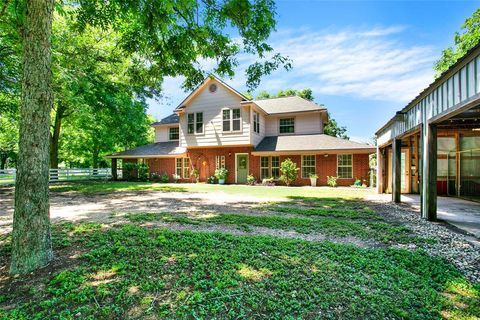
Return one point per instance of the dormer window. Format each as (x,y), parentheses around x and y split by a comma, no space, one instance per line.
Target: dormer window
(287,125)
(231,120)
(195,123)
(173,133)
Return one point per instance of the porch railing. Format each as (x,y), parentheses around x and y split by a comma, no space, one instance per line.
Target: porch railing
(7,176)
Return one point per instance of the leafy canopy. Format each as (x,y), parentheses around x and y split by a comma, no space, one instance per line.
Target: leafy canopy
(464,40)
(177,38)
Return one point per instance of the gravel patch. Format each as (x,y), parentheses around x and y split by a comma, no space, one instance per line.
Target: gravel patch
(460,249)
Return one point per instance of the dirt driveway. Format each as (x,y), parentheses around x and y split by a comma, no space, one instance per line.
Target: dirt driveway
(76,206)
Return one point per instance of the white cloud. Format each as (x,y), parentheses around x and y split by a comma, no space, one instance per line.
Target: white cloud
(367,63)
(374,63)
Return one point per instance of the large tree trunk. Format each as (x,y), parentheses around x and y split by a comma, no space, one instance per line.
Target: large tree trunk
(55,136)
(31,244)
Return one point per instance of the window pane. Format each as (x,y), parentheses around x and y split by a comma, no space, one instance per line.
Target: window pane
(236,125)
(308,166)
(226,114)
(226,125)
(287,125)
(190,121)
(186,168)
(174,134)
(264,174)
(236,113)
(178,167)
(199,122)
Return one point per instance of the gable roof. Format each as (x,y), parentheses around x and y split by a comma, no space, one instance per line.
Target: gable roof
(171,119)
(202,85)
(151,150)
(311,143)
(287,105)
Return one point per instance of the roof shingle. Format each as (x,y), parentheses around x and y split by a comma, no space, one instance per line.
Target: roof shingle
(171,119)
(151,150)
(309,142)
(287,105)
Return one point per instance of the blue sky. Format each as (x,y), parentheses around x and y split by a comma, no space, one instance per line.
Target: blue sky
(363,59)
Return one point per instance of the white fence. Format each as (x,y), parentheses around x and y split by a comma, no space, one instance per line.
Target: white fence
(7,176)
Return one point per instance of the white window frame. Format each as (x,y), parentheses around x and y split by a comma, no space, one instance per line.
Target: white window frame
(256,122)
(179,169)
(195,122)
(263,167)
(272,167)
(230,120)
(345,166)
(219,162)
(170,133)
(186,168)
(314,166)
(279,125)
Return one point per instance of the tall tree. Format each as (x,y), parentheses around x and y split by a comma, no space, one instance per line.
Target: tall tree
(31,240)
(171,36)
(466,39)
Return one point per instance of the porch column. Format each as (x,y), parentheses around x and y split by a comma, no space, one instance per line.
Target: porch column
(429,177)
(114,169)
(380,168)
(396,172)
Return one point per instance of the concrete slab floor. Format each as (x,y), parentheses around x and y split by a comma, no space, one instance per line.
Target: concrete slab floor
(463,214)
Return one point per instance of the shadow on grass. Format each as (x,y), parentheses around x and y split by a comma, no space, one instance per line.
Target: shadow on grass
(133,272)
(111,186)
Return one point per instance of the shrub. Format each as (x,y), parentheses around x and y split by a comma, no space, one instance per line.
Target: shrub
(313,176)
(251,180)
(357,183)
(195,174)
(332,181)
(143,171)
(289,171)
(221,173)
(164,178)
(130,171)
(211,180)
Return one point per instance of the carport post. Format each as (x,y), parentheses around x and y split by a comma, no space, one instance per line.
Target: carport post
(380,165)
(396,172)
(114,169)
(429,177)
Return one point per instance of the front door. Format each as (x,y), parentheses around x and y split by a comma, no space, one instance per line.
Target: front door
(241,164)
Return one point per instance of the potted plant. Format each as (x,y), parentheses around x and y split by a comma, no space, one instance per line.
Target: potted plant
(221,175)
(175,177)
(196,175)
(313,179)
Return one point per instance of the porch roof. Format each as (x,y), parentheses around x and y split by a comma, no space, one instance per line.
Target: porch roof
(316,143)
(153,150)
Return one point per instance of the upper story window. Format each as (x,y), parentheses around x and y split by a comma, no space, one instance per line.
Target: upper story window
(173,133)
(195,122)
(256,122)
(231,120)
(344,166)
(287,125)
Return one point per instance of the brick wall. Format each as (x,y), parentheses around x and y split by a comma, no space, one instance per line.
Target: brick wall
(204,159)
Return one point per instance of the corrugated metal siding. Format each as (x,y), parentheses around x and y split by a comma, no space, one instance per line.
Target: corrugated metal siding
(456,89)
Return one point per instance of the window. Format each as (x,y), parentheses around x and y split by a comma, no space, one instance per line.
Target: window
(186,168)
(190,123)
(178,167)
(287,125)
(232,120)
(182,167)
(269,167)
(275,167)
(344,166)
(256,122)
(173,133)
(219,162)
(264,170)
(195,122)
(308,166)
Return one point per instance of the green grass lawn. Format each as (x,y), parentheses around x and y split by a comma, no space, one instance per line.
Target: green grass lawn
(130,271)
(136,270)
(256,191)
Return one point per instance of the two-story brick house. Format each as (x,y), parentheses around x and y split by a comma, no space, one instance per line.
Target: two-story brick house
(216,126)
